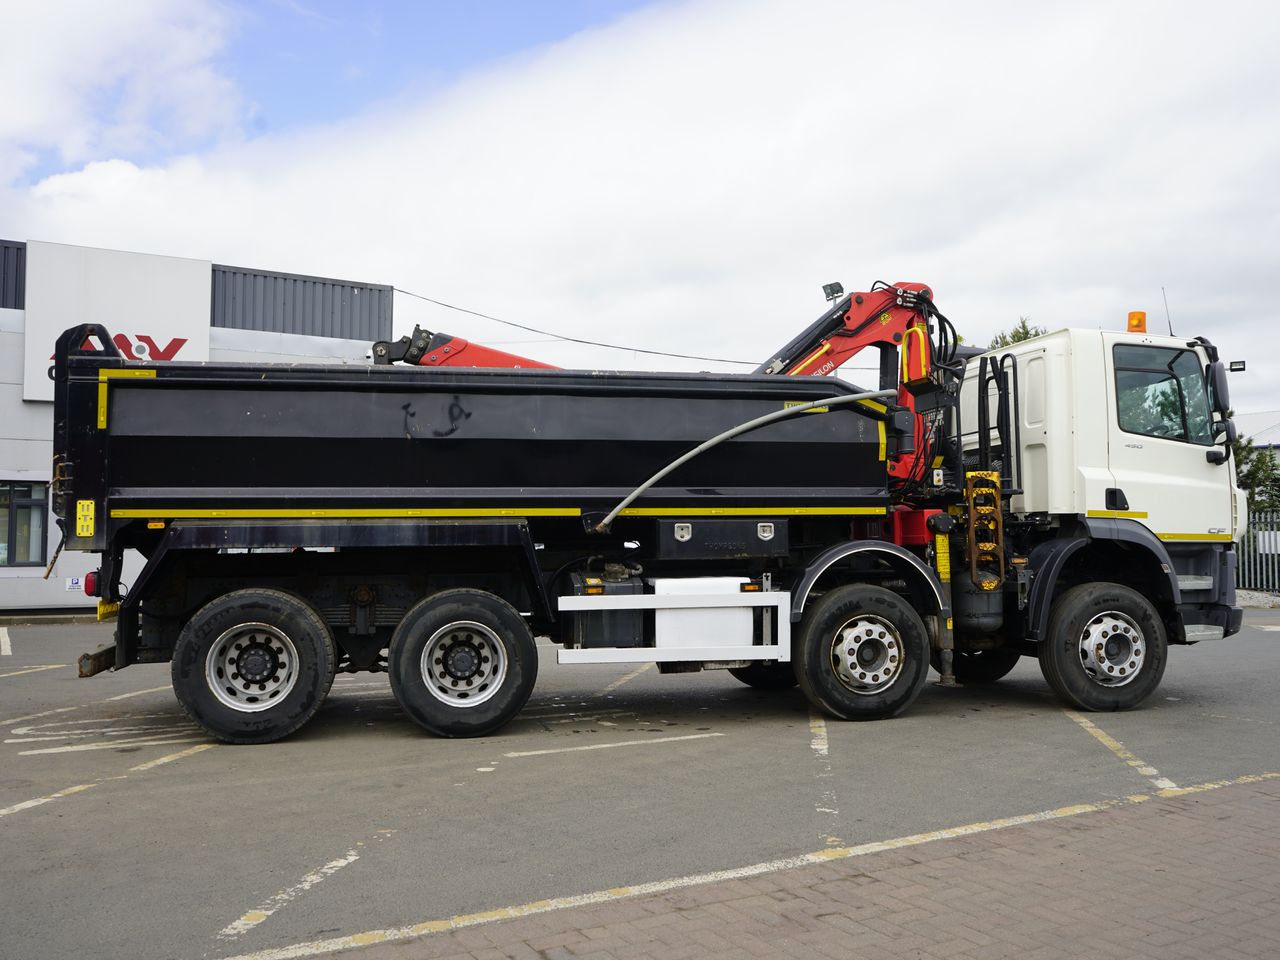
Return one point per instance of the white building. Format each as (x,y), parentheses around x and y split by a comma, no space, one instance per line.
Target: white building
(1263,427)
(158,308)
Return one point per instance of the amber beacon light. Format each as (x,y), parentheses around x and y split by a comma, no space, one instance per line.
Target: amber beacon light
(1137,321)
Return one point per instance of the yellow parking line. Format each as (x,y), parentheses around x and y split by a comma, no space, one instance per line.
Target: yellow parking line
(1121,751)
(317,948)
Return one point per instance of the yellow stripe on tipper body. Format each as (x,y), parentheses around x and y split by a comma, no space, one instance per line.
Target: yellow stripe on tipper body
(387,513)
(339,513)
(115,373)
(753,511)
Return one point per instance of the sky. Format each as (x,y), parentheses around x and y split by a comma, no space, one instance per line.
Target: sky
(681,175)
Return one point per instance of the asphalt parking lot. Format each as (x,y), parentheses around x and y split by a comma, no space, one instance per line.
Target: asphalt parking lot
(127,833)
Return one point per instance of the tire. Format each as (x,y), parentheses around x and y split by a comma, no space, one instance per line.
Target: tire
(862,653)
(765,676)
(462,663)
(253,665)
(978,666)
(1134,647)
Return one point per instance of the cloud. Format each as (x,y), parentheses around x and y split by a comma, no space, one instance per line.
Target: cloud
(89,80)
(687,177)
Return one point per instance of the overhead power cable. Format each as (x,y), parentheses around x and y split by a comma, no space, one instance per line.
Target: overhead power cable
(559,336)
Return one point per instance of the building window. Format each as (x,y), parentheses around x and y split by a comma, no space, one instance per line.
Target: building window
(23,508)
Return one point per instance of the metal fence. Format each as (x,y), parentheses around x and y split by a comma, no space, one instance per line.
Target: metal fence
(1260,553)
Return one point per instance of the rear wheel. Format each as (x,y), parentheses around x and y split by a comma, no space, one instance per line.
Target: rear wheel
(765,676)
(462,663)
(1106,648)
(978,666)
(862,653)
(253,665)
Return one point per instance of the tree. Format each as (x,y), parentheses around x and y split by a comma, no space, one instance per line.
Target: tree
(1257,473)
(1023,330)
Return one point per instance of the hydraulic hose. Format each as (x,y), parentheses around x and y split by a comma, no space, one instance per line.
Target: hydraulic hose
(844,401)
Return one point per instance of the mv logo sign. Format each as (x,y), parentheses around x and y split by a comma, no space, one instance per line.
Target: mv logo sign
(140,346)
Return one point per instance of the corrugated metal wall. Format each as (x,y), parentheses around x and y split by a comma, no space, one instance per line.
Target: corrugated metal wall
(13,275)
(311,306)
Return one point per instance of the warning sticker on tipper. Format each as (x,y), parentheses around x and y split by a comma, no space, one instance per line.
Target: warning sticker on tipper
(942,550)
(800,403)
(84,518)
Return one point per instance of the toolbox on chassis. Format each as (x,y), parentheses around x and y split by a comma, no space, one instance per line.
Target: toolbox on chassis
(299,520)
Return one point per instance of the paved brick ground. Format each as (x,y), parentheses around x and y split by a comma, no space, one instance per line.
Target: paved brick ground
(1196,876)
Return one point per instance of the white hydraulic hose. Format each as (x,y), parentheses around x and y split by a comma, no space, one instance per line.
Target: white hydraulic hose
(603,525)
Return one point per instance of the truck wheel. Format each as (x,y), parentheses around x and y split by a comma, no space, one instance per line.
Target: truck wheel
(1106,648)
(765,676)
(253,665)
(978,666)
(861,654)
(462,663)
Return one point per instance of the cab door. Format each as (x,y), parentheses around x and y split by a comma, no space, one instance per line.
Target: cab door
(1159,428)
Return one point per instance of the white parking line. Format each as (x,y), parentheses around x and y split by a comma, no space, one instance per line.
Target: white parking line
(38,801)
(80,706)
(33,734)
(610,746)
(1121,751)
(818,734)
(180,755)
(317,948)
(110,745)
(6,648)
(627,679)
(1222,716)
(45,666)
(81,787)
(826,804)
(36,716)
(274,903)
(136,693)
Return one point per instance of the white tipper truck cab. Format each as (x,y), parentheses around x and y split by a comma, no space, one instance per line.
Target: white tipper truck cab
(1122,505)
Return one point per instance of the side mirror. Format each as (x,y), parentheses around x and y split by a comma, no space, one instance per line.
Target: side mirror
(1224,432)
(1219,393)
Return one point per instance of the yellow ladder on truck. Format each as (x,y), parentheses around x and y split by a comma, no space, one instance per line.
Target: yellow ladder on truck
(985,528)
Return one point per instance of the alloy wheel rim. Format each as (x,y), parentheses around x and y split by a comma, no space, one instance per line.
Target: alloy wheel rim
(463,664)
(1113,649)
(866,654)
(252,667)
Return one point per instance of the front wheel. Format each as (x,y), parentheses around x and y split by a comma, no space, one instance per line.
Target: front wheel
(253,665)
(862,653)
(462,663)
(1106,648)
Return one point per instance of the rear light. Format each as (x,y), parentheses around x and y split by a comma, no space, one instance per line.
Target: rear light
(91,584)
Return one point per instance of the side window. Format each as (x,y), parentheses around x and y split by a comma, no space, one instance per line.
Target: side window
(23,508)
(1160,392)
